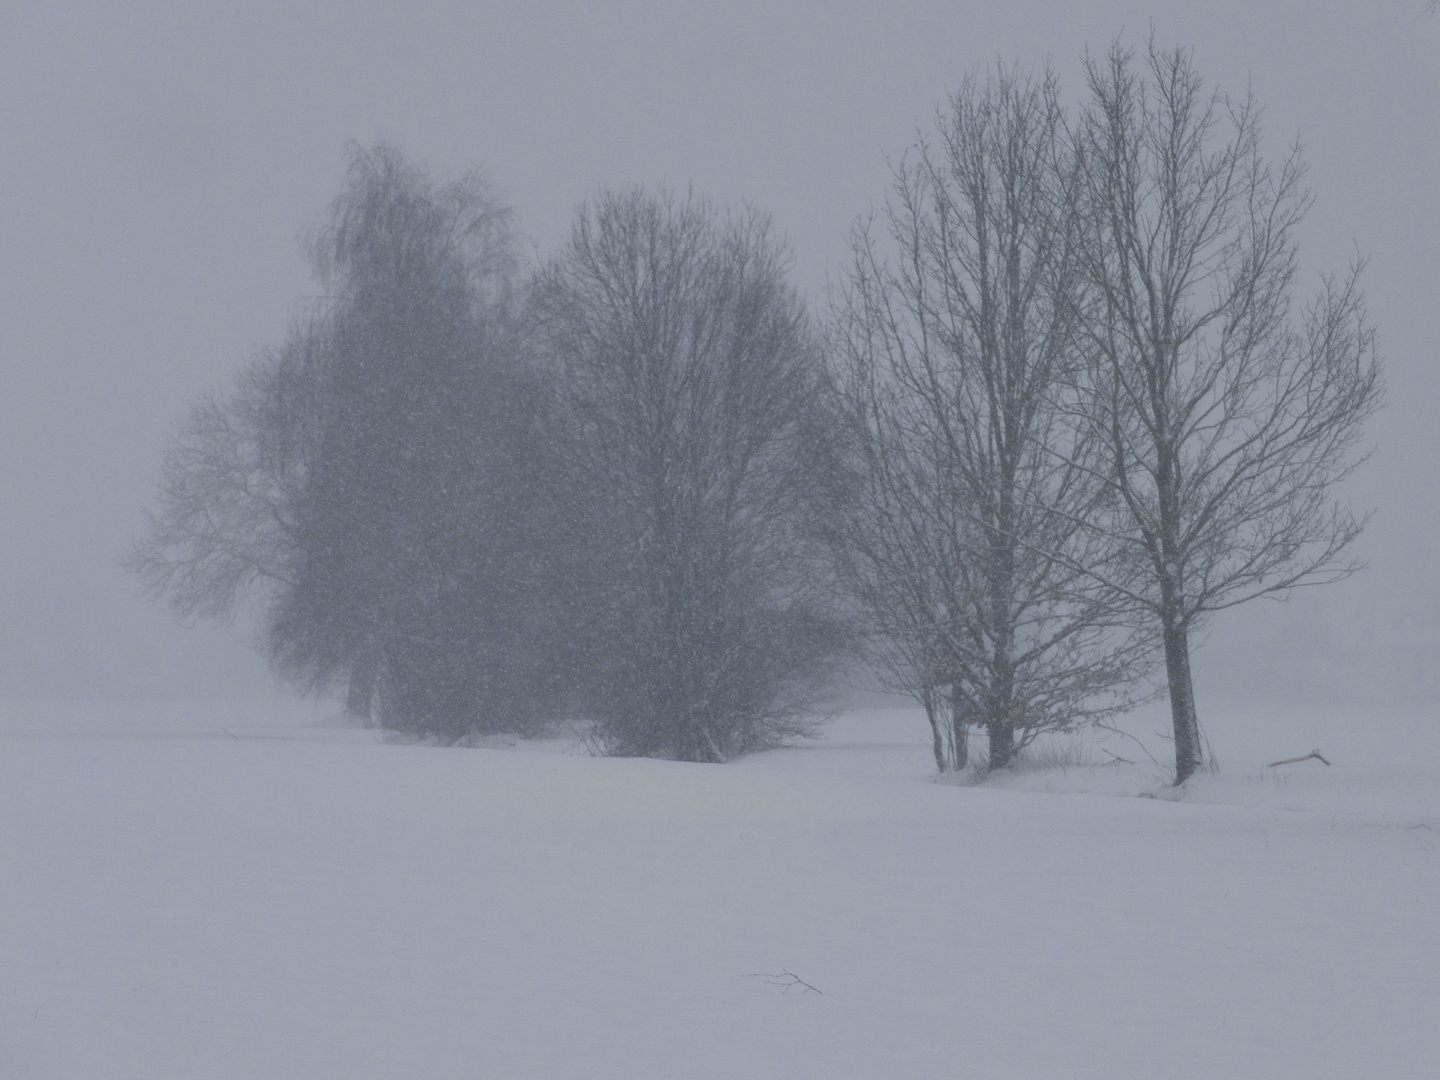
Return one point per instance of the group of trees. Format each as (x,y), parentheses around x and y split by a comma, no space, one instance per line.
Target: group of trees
(476,505)
(1080,411)
(1062,409)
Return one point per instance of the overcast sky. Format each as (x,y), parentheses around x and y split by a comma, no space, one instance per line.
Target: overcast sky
(160,161)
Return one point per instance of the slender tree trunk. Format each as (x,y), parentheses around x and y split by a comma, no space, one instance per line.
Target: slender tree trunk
(1176,631)
(959,729)
(360,693)
(932,714)
(1000,699)
(1182,702)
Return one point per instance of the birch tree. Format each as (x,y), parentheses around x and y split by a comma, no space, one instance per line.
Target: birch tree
(375,484)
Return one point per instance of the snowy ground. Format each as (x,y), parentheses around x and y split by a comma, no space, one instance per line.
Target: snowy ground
(244,893)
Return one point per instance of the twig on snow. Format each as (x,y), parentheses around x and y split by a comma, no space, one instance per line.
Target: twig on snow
(787,979)
(1293,760)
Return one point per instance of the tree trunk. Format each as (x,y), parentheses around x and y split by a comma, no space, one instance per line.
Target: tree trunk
(360,694)
(933,716)
(959,728)
(1002,742)
(1182,702)
(999,721)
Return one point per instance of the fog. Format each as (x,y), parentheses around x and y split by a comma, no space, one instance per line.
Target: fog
(160,163)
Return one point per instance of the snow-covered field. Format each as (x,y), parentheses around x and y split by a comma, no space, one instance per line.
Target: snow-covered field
(246,893)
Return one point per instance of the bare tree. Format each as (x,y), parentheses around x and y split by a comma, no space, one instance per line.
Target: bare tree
(1226,414)
(396,570)
(968,486)
(376,482)
(685,365)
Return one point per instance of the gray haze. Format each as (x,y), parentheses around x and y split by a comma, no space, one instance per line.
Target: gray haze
(160,161)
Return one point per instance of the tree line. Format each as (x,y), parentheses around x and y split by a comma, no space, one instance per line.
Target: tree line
(1064,404)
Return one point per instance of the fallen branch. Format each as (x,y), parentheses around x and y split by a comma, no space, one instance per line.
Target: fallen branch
(1293,760)
(788,979)
(1115,759)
